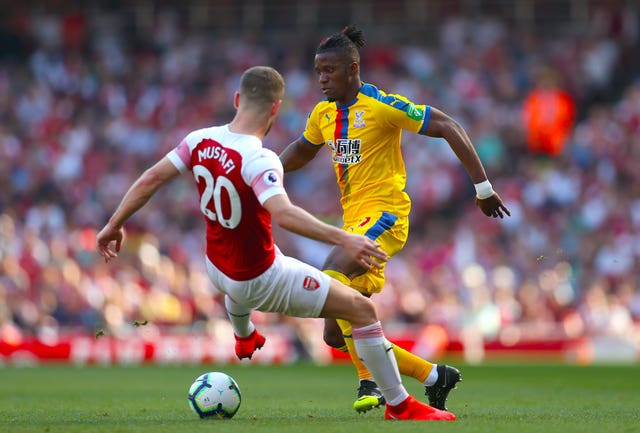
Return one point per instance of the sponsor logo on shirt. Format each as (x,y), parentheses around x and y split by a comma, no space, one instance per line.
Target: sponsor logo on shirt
(414,112)
(346,150)
(310,283)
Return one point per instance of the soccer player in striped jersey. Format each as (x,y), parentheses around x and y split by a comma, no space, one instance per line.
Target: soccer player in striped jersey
(362,127)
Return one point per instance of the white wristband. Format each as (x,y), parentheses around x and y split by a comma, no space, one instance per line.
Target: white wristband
(484,190)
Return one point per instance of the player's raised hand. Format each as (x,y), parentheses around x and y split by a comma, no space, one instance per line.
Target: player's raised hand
(493,206)
(364,251)
(103,241)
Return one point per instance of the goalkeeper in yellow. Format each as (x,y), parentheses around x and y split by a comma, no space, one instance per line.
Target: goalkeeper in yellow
(362,127)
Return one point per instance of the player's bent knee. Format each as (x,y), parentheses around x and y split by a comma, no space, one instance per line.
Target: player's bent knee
(348,304)
(365,312)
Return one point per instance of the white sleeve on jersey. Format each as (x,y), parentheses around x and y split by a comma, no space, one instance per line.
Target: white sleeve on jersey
(180,156)
(175,156)
(264,173)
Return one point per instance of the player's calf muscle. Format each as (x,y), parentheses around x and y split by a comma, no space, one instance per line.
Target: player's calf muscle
(332,334)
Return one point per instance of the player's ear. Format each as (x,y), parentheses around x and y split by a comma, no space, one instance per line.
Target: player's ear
(236,100)
(276,107)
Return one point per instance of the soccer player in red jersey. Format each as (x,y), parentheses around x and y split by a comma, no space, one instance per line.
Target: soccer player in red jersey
(362,126)
(241,189)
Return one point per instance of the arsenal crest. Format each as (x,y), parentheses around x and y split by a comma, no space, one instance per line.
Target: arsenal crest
(310,283)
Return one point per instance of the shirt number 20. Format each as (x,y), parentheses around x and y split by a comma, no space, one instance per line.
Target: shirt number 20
(212,190)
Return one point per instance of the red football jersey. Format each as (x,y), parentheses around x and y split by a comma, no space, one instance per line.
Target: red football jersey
(234,175)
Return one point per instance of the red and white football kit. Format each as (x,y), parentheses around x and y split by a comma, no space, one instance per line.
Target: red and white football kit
(235,175)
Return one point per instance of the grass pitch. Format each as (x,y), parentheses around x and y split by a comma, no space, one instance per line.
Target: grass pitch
(307,398)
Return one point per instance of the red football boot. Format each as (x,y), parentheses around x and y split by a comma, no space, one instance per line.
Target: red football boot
(245,346)
(412,409)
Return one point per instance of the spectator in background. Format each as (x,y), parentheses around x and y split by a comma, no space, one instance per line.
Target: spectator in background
(548,114)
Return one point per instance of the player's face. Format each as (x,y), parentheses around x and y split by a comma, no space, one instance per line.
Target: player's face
(336,77)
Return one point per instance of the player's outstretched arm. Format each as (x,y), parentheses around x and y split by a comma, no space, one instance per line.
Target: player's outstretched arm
(297,220)
(443,126)
(137,196)
(297,154)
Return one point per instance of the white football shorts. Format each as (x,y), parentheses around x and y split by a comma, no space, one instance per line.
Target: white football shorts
(289,286)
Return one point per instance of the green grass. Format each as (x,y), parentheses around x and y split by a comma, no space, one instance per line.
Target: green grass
(307,398)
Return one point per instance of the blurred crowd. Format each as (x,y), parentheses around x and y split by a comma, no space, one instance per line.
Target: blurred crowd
(87,103)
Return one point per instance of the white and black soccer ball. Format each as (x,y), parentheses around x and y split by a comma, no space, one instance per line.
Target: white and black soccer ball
(215,395)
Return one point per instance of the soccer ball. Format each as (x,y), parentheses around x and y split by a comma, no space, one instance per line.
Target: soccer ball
(214,395)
